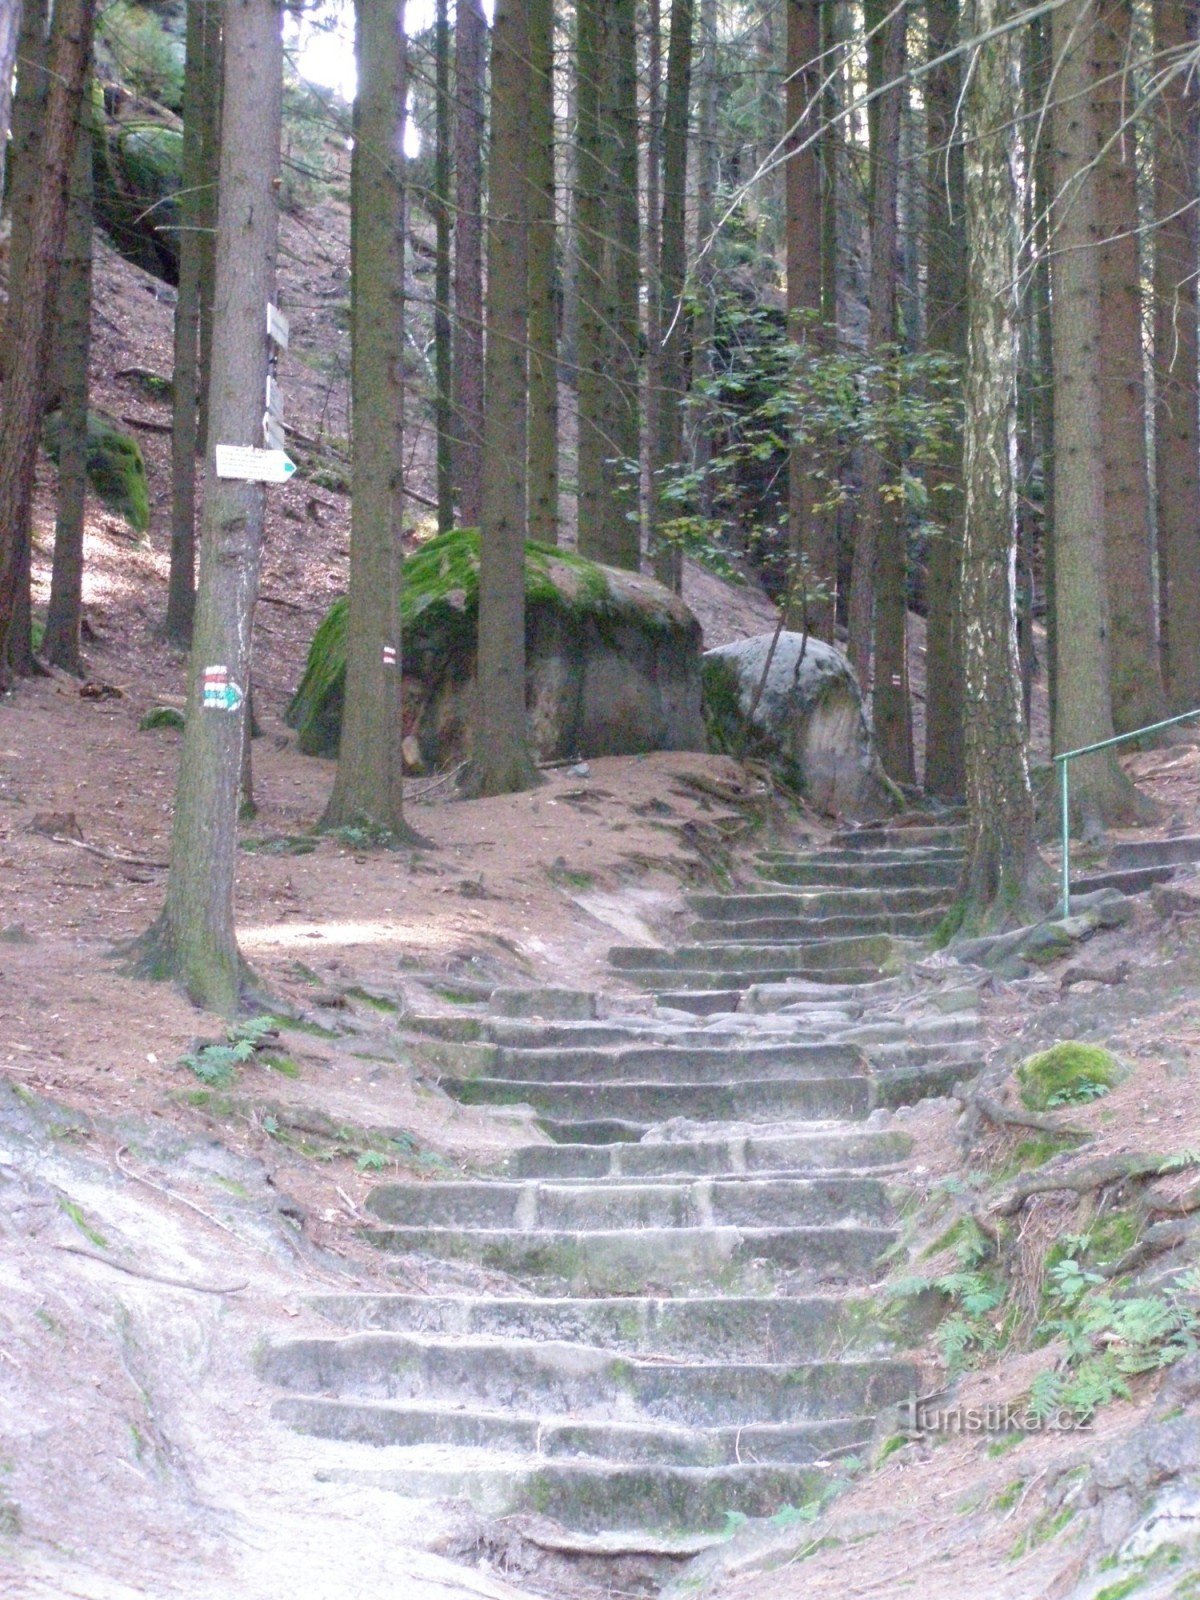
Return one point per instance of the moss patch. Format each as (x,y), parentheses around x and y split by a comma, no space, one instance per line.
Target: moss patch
(115,467)
(1067,1074)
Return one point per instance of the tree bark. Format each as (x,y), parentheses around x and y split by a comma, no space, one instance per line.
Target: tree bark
(10,30)
(1002,871)
(194,938)
(368,790)
(543,281)
(946,331)
(878,587)
(60,643)
(30,331)
(812,576)
(672,318)
(1137,692)
(185,420)
(501,762)
(1101,792)
(470,63)
(442,336)
(698,415)
(209,96)
(1177,348)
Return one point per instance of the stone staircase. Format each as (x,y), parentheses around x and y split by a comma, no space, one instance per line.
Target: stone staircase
(663,1316)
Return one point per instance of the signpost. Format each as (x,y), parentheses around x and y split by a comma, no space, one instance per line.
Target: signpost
(277,326)
(253,466)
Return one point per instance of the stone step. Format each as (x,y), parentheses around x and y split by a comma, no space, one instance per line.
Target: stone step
(582,1381)
(671,982)
(804,929)
(624,1506)
(832,1096)
(418,1031)
(702,1155)
(905,1086)
(919,836)
(409,1424)
(661,1063)
(663,1203)
(877,950)
(752,1329)
(1129,880)
(769,860)
(857,873)
(801,902)
(685,1261)
(1175,852)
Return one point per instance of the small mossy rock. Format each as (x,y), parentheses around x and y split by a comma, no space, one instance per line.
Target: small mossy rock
(162,717)
(1070,1073)
(138,171)
(809,721)
(612,659)
(115,467)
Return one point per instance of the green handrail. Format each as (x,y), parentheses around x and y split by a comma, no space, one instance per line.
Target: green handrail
(1063,786)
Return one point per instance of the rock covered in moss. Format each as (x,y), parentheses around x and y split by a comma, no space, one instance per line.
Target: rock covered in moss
(809,720)
(1067,1074)
(612,659)
(138,171)
(116,468)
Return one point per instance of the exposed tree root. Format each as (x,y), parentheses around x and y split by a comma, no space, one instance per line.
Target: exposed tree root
(1004,1116)
(1080,1179)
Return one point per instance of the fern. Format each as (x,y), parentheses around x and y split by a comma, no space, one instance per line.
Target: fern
(216,1064)
(1045,1395)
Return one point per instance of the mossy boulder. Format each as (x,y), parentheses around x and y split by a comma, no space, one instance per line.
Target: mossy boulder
(1067,1074)
(115,467)
(612,659)
(138,170)
(808,722)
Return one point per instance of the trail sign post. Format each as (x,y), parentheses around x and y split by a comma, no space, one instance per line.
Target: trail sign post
(253,466)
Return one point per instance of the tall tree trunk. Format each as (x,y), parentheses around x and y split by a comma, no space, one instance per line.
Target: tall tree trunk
(946,333)
(10,30)
(28,115)
(181,580)
(606,209)
(442,337)
(1176,353)
(208,95)
(1002,870)
(672,355)
(543,281)
(704,324)
(1040,49)
(878,589)
(652,249)
(60,643)
(30,331)
(501,762)
(1102,793)
(369,786)
(812,584)
(470,64)
(194,938)
(1137,693)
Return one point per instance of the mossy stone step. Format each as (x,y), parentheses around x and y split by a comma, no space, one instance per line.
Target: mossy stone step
(808,930)
(623,1505)
(952,834)
(755,1099)
(818,902)
(688,1261)
(661,1063)
(406,1424)
(671,982)
(798,1152)
(878,950)
(774,1329)
(584,1382)
(663,1203)
(907,873)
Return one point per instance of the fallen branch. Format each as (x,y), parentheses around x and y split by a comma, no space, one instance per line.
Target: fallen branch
(152,1277)
(1003,1116)
(1079,1179)
(145,424)
(106,855)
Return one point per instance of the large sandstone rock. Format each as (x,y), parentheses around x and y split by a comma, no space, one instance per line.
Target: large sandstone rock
(612,659)
(809,719)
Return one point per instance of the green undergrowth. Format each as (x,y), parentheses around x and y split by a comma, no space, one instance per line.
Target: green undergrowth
(1068,1074)
(216,1062)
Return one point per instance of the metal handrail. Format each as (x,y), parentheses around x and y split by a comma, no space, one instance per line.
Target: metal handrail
(1063,784)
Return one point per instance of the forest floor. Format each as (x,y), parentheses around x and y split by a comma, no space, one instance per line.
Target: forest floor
(139,1457)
